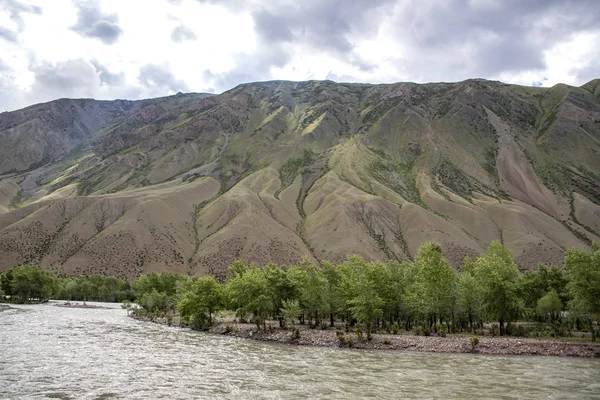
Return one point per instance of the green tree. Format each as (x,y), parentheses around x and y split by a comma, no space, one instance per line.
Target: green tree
(291,310)
(470,298)
(583,271)
(536,283)
(432,291)
(366,304)
(498,276)
(313,294)
(199,305)
(249,294)
(549,306)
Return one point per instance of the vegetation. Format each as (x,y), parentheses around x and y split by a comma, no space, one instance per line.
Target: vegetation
(27,284)
(426,296)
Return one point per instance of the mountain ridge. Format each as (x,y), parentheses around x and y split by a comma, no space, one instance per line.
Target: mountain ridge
(281,170)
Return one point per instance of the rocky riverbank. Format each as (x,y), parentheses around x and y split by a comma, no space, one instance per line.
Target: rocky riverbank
(4,307)
(407,342)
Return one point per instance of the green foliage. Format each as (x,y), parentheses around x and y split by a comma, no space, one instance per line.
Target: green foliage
(536,283)
(27,283)
(291,310)
(583,272)
(293,166)
(550,305)
(431,290)
(198,305)
(474,341)
(499,278)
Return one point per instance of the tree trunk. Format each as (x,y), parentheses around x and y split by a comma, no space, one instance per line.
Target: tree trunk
(501,327)
(331,322)
(591,323)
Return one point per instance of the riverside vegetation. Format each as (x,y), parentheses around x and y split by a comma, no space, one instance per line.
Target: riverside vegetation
(427,296)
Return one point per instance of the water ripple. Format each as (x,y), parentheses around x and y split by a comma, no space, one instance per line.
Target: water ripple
(68,353)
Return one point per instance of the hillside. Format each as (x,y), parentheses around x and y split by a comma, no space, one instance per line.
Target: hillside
(277,171)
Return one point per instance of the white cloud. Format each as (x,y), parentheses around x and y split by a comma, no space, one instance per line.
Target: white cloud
(155,48)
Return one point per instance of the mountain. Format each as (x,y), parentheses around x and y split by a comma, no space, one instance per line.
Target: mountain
(277,171)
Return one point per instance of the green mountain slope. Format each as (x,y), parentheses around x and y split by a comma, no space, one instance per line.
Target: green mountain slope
(278,171)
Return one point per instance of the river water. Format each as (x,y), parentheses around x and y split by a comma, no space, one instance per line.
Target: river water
(69,353)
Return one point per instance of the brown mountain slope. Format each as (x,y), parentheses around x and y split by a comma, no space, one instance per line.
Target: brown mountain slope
(278,171)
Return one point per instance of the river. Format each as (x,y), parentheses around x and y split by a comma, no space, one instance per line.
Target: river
(70,353)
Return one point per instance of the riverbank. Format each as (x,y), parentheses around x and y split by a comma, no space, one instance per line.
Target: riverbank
(4,307)
(407,342)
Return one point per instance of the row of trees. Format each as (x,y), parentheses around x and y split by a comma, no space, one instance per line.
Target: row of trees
(26,284)
(427,293)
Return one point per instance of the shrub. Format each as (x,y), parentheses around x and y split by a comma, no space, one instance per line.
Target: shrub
(395,328)
(359,333)
(494,330)
(387,341)
(296,334)
(474,343)
(341,337)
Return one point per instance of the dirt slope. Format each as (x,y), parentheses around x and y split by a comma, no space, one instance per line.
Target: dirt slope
(278,171)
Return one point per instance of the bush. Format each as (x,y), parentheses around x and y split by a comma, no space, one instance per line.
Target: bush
(494,330)
(359,333)
(387,341)
(296,334)
(341,337)
(395,328)
(474,343)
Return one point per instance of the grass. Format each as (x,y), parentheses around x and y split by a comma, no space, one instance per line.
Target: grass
(18,201)
(293,166)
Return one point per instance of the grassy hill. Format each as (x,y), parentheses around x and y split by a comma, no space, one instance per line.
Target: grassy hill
(277,171)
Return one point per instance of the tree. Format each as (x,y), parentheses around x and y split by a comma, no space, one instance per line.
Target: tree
(291,310)
(498,276)
(249,294)
(313,294)
(202,302)
(32,283)
(432,291)
(550,306)
(470,298)
(583,271)
(280,288)
(538,282)
(366,304)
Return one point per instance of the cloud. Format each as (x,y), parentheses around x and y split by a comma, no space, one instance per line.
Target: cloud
(456,39)
(92,23)
(160,80)
(73,78)
(107,77)
(14,9)
(182,33)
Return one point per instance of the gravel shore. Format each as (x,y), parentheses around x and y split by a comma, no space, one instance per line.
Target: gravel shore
(408,342)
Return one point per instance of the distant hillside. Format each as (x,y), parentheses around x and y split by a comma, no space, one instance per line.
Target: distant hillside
(277,171)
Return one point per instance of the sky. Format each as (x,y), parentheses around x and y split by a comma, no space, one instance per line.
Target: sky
(132,49)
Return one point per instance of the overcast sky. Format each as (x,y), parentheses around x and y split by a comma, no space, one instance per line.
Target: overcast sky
(133,49)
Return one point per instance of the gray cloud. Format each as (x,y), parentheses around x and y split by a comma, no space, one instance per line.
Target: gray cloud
(91,22)
(73,78)
(321,26)
(458,39)
(107,77)
(15,9)
(160,80)
(182,33)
